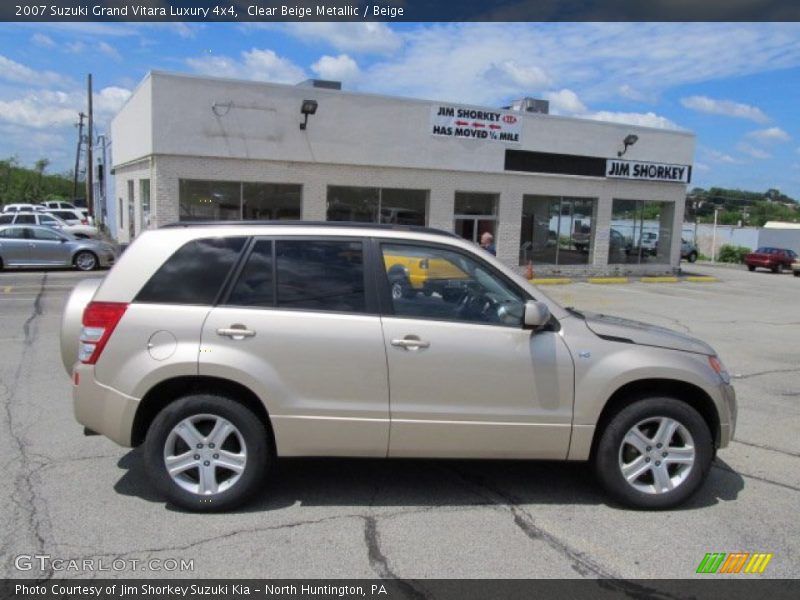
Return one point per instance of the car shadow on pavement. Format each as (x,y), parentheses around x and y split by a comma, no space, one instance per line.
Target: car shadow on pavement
(432,483)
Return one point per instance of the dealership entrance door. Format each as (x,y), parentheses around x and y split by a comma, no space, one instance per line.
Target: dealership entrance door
(475,214)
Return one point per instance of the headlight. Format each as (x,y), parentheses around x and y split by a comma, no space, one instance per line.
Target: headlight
(719,368)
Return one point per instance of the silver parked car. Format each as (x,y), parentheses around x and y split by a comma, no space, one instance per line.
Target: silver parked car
(47,219)
(38,246)
(221,347)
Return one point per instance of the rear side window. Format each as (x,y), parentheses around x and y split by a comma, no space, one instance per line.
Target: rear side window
(255,284)
(194,274)
(26,219)
(6,219)
(320,275)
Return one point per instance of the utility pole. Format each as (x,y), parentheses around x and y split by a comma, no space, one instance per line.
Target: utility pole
(77,156)
(89,144)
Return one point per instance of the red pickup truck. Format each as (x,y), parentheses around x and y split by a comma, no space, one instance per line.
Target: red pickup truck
(774,259)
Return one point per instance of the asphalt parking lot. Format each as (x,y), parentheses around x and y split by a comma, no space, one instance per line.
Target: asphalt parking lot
(70,496)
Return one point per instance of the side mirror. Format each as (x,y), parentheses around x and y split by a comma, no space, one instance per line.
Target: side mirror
(536,314)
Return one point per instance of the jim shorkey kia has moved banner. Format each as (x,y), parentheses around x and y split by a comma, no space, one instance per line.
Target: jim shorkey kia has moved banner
(397,10)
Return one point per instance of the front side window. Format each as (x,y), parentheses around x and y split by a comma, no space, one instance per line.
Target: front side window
(45,235)
(194,274)
(320,275)
(442,284)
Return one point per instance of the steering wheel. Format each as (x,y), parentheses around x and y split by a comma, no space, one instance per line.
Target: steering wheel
(476,305)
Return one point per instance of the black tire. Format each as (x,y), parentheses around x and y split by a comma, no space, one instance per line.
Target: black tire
(608,453)
(795,273)
(86,261)
(692,257)
(751,268)
(777,269)
(257,451)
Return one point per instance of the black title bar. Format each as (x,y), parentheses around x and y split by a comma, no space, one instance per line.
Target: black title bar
(396,10)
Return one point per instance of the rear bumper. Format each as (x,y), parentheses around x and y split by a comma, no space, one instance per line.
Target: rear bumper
(101,408)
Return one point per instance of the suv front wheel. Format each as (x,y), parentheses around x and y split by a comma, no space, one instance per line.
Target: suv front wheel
(207,453)
(654,453)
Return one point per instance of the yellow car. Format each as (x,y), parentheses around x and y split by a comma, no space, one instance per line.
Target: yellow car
(411,274)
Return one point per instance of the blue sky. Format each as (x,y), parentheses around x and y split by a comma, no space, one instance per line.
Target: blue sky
(737,86)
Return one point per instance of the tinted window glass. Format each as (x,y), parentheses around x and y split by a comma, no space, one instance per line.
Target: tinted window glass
(321,275)
(6,219)
(26,219)
(254,287)
(435,283)
(194,274)
(45,234)
(14,233)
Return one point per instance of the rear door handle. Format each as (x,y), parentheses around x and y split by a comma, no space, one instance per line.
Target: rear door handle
(236,332)
(411,343)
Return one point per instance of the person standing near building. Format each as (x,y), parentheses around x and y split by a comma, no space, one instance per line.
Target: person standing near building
(487,243)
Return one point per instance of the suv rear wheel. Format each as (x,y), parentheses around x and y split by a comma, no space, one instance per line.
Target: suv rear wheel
(654,453)
(207,453)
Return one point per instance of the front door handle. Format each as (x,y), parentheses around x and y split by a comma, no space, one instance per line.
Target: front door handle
(411,342)
(236,332)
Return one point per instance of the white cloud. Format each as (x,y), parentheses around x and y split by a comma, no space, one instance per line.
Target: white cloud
(75,47)
(255,64)
(109,50)
(600,61)
(565,102)
(719,157)
(19,73)
(727,108)
(355,37)
(49,109)
(648,119)
(518,75)
(698,166)
(41,39)
(630,93)
(751,150)
(40,110)
(769,135)
(339,68)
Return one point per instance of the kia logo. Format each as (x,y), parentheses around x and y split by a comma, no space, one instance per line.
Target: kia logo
(509,119)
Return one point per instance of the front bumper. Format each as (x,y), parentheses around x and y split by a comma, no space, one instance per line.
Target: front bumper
(727,425)
(107,259)
(101,408)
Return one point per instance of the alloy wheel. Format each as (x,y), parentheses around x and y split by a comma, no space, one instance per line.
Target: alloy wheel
(205,454)
(656,455)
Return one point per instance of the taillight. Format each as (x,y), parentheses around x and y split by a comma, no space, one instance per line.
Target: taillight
(84,221)
(99,321)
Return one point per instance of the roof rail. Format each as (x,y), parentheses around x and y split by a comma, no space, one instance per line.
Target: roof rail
(321,224)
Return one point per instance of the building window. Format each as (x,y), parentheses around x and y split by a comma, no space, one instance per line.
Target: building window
(144,193)
(475,214)
(556,230)
(271,201)
(234,200)
(377,205)
(131,211)
(641,232)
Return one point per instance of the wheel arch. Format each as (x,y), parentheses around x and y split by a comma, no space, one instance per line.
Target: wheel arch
(165,392)
(686,392)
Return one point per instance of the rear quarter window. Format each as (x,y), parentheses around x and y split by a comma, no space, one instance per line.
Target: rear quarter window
(194,274)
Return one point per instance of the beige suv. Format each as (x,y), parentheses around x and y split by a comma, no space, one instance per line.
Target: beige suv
(222,347)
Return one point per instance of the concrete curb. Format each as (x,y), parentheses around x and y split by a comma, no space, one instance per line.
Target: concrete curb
(608,279)
(662,279)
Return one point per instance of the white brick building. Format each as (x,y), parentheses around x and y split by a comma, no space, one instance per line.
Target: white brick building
(191,148)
